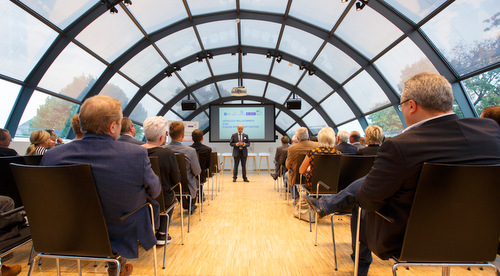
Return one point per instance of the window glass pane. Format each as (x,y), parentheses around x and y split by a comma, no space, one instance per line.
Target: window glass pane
(224,64)
(484,89)
(466,33)
(257,64)
(251,102)
(314,87)
(218,34)
(388,120)
(283,71)
(366,93)
(323,13)
(291,131)
(202,120)
(60,12)
(166,89)
(44,112)
(415,10)
(147,107)
(457,109)
(337,109)
(314,122)
(194,73)
(73,73)
(8,93)
(119,31)
(233,102)
(272,6)
(367,31)
(299,43)
(178,109)
(335,63)
(144,66)
(171,116)
(120,88)
(24,41)
(304,108)
(402,62)
(139,132)
(259,33)
(352,126)
(179,45)
(277,93)
(226,86)
(198,7)
(284,121)
(154,15)
(254,87)
(206,94)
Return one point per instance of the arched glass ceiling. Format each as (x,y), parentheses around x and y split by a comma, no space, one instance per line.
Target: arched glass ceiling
(55,54)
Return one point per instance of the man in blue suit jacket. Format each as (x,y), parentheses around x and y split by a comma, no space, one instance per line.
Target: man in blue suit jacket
(123,176)
(240,143)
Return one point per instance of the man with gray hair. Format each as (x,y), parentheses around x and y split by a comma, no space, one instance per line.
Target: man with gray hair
(302,147)
(5,140)
(354,138)
(434,134)
(342,144)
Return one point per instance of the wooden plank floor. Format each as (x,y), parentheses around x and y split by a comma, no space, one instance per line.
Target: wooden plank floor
(248,229)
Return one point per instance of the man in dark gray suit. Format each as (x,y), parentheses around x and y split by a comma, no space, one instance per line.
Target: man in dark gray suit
(127,133)
(279,156)
(240,143)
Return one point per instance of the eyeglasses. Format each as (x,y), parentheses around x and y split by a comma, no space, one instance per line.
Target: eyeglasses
(400,105)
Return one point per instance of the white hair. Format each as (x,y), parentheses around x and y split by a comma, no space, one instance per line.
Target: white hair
(295,139)
(326,137)
(154,128)
(343,136)
(302,134)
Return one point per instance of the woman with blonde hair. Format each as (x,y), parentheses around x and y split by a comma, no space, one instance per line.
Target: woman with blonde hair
(374,137)
(40,141)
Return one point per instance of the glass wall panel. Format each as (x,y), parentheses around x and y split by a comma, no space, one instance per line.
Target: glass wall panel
(367,31)
(8,93)
(218,34)
(139,132)
(24,41)
(277,93)
(284,121)
(272,6)
(118,31)
(144,66)
(120,88)
(365,92)
(224,64)
(402,62)
(257,64)
(179,45)
(168,88)
(46,112)
(352,126)
(283,71)
(254,87)
(147,107)
(194,73)
(154,15)
(415,10)
(323,13)
(73,73)
(171,116)
(314,122)
(314,87)
(60,12)
(299,43)
(335,63)
(304,108)
(198,7)
(260,33)
(202,120)
(388,120)
(178,109)
(483,90)
(226,86)
(291,132)
(206,94)
(337,109)
(466,33)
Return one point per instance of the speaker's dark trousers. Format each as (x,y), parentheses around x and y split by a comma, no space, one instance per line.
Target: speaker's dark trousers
(237,160)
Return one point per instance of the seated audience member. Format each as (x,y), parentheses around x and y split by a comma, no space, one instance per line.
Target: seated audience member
(176,132)
(295,140)
(123,177)
(40,142)
(278,159)
(5,140)
(301,147)
(326,139)
(492,112)
(362,141)
(354,139)
(342,145)
(155,130)
(9,228)
(374,136)
(204,153)
(426,104)
(55,141)
(75,125)
(313,138)
(127,133)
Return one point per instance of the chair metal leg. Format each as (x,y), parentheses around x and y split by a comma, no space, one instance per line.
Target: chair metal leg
(356,255)
(79,267)
(189,211)
(333,240)
(182,215)
(166,240)
(30,260)
(154,246)
(58,266)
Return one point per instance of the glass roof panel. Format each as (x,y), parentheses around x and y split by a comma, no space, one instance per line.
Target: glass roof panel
(402,62)
(178,109)
(304,108)
(226,86)
(323,13)
(120,88)
(202,120)
(314,121)
(8,94)
(277,93)
(144,66)
(283,71)
(218,34)
(254,87)
(166,89)
(206,94)
(291,131)
(415,10)
(194,72)
(179,45)
(24,41)
(337,109)
(483,90)
(251,102)
(154,15)
(284,121)
(335,63)
(352,126)
(367,31)
(365,92)
(260,33)
(388,120)
(171,116)
(314,87)
(60,12)
(256,64)
(73,73)
(147,107)
(198,7)
(299,43)
(466,33)
(233,102)
(272,6)
(224,64)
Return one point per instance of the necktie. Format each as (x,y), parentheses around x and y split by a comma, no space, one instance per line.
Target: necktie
(241,140)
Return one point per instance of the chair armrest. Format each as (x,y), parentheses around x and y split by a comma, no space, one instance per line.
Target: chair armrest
(13,211)
(389,219)
(174,186)
(324,185)
(124,217)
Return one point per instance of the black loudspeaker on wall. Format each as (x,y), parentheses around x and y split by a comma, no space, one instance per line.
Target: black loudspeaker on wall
(293,104)
(188,105)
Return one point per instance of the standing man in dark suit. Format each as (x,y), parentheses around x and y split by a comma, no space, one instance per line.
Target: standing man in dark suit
(434,134)
(127,133)
(279,161)
(123,177)
(204,153)
(240,143)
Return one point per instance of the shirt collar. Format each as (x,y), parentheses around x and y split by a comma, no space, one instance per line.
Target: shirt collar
(426,120)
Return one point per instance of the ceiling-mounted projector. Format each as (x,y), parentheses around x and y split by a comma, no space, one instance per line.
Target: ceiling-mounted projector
(239,91)
(293,104)
(188,105)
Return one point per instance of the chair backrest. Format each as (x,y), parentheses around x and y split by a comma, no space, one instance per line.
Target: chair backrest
(7,183)
(326,169)
(353,167)
(181,162)
(214,168)
(455,216)
(63,210)
(155,165)
(33,159)
(300,159)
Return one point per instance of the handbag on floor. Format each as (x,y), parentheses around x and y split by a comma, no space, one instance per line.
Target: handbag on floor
(304,210)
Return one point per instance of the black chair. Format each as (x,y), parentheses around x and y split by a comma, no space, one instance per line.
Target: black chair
(52,195)
(439,231)
(33,159)
(7,184)
(183,189)
(214,171)
(299,178)
(23,237)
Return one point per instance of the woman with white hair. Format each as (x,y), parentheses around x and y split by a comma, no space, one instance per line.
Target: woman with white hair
(326,140)
(374,137)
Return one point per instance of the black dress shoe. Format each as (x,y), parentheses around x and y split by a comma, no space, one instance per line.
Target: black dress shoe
(245,180)
(274,176)
(193,208)
(234,179)
(313,202)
